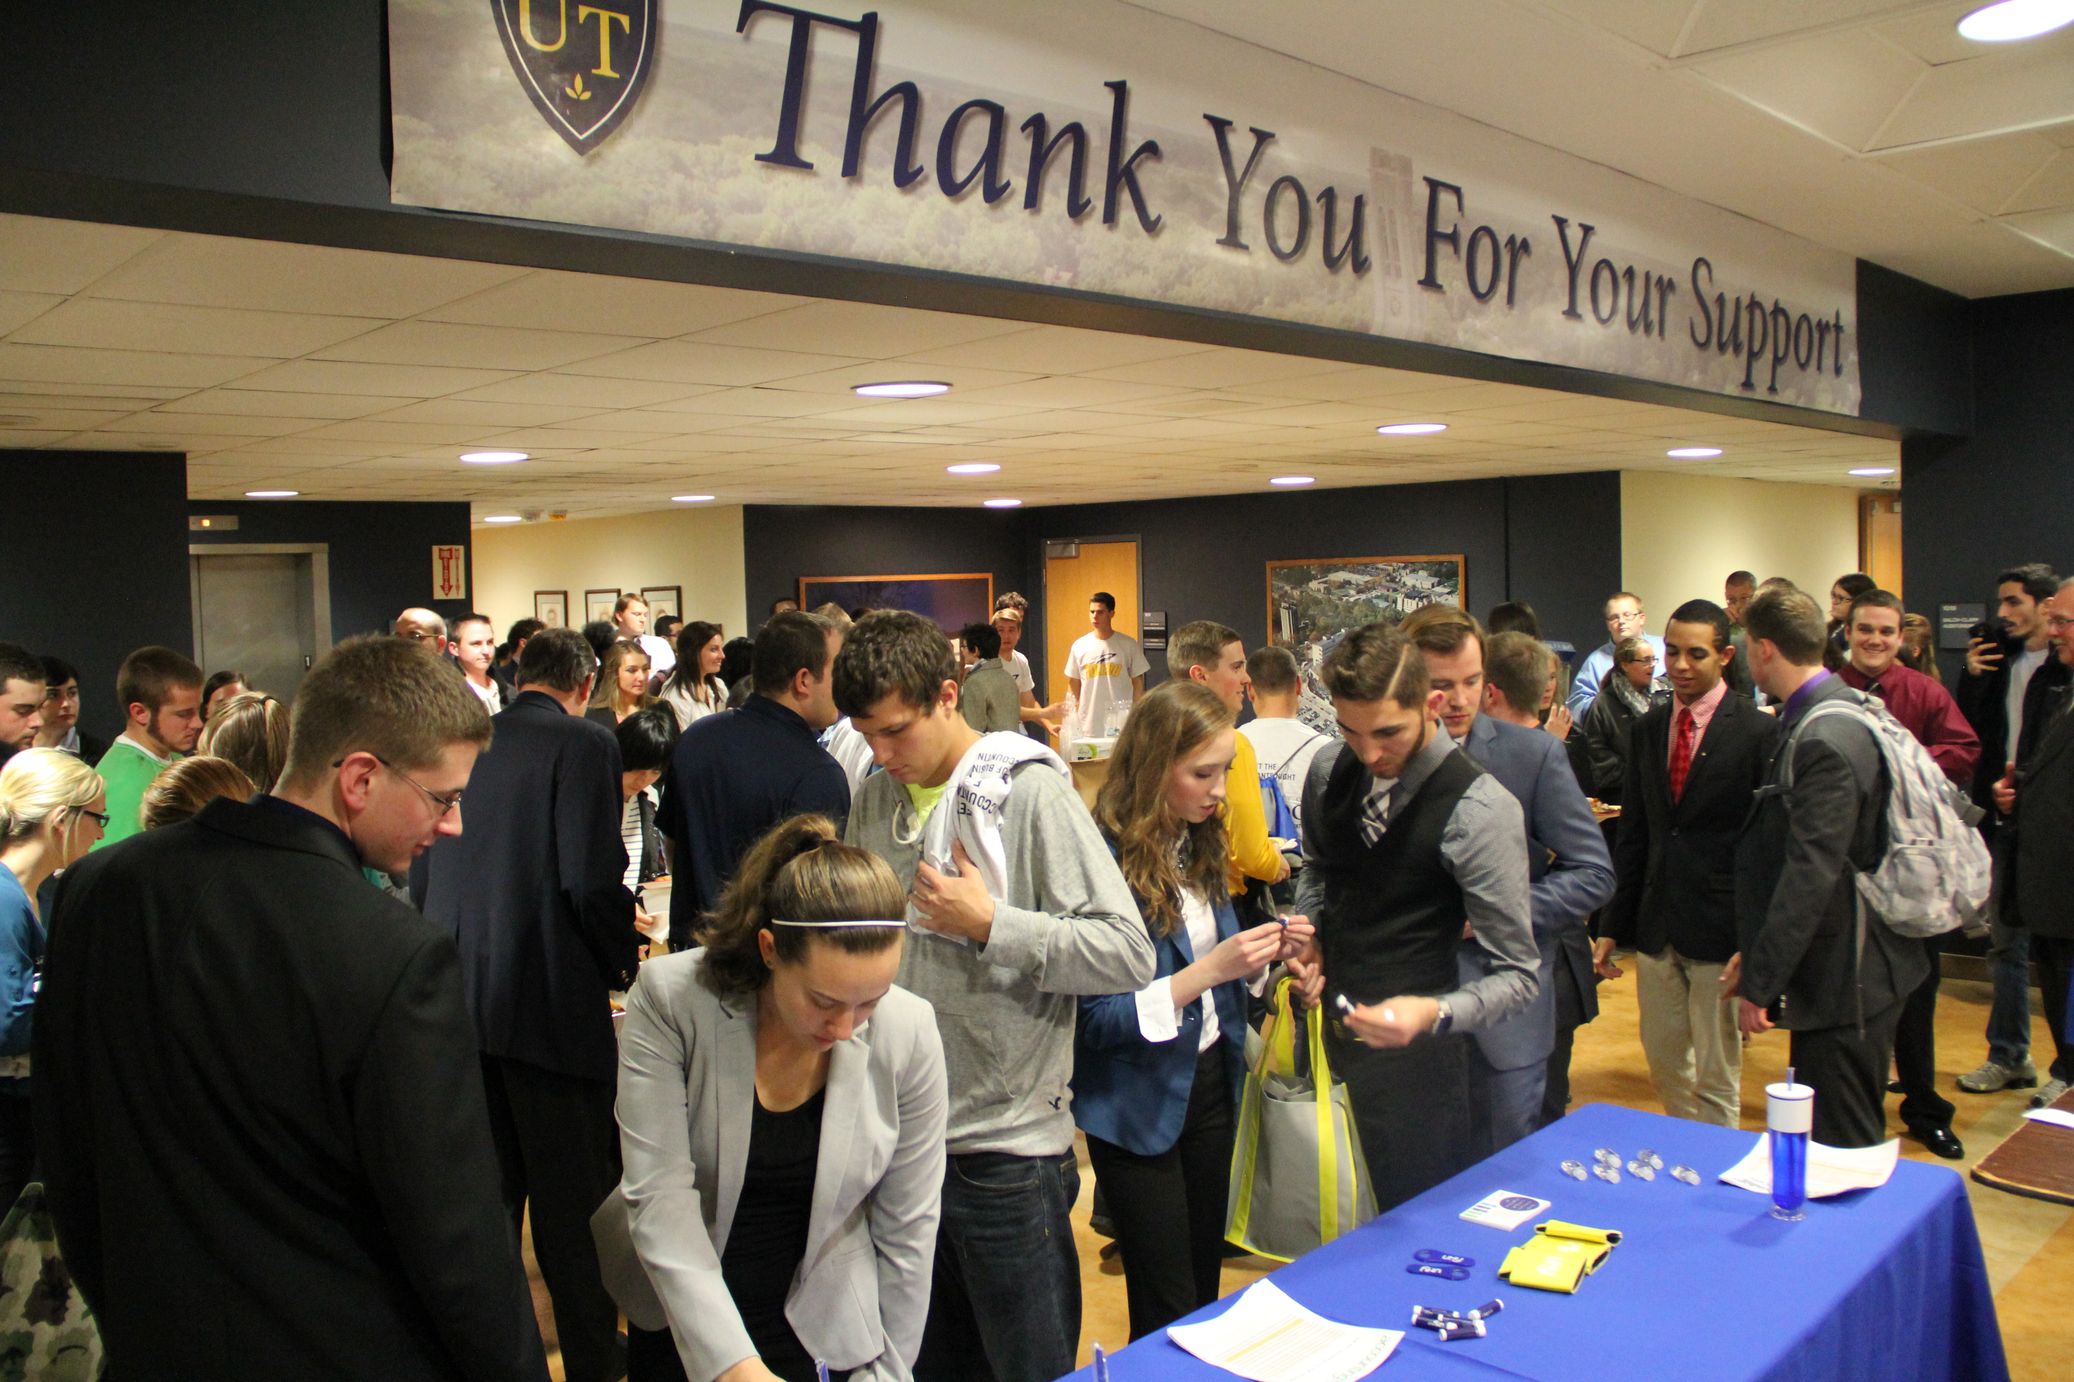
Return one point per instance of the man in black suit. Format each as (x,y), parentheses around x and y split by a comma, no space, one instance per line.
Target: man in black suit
(1674,854)
(263,1135)
(2038,798)
(534,894)
(1809,960)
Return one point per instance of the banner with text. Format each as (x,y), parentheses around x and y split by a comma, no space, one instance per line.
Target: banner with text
(1091,145)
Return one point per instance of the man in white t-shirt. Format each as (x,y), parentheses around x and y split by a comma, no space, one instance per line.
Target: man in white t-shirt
(1010,609)
(630,621)
(1283,744)
(1104,670)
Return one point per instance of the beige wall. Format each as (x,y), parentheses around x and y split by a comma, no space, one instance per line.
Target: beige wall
(1681,534)
(698,549)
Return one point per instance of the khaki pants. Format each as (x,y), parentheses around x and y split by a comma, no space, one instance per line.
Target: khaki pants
(1689,1034)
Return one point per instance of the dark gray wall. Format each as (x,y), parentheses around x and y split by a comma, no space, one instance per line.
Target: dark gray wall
(780,544)
(2002,495)
(380,554)
(96,548)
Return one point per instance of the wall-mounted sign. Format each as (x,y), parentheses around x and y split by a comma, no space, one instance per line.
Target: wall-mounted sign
(1092,145)
(450,572)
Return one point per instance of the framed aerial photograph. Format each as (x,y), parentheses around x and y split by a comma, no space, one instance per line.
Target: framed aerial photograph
(661,600)
(551,607)
(1314,602)
(597,604)
(951,601)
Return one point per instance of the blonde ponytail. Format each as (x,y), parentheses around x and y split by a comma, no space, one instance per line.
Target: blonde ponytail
(36,784)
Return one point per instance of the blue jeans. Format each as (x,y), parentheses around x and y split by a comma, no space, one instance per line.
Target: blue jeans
(2009,1014)
(1005,1304)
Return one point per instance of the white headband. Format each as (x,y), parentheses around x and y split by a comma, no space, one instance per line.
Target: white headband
(774,921)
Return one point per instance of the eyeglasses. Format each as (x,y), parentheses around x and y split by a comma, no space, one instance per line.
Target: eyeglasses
(445,801)
(101,816)
(2059,621)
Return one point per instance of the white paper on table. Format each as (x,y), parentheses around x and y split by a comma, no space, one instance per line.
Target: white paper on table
(2058,1118)
(1831,1170)
(1268,1337)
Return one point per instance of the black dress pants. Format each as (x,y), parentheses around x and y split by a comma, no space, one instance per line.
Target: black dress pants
(1411,1106)
(1168,1274)
(2054,956)
(558,1152)
(1915,1052)
(1847,1068)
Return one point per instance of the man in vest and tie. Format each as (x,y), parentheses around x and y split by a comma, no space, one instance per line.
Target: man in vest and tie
(1406,845)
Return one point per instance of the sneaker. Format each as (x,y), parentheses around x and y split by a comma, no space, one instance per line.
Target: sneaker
(2048,1096)
(1993,1076)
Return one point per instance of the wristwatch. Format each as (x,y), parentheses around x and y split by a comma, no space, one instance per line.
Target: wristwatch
(1444,1019)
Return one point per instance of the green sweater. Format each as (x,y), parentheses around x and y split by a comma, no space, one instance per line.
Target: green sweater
(126,770)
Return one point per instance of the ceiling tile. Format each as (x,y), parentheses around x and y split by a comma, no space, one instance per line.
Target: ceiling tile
(582,391)
(267,403)
(1059,350)
(483,415)
(114,325)
(2021,85)
(857,328)
(691,362)
(219,271)
(553,300)
(1839,85)
(70,365)
(479,347)
(223,425)
(2051,189)
(46,256)
(849,376)
(18,309)
(1212,369)
(398,433)
(352,377)
(758,403)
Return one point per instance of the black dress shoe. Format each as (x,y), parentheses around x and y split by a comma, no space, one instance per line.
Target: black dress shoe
(1896,1087)
(1940,1141)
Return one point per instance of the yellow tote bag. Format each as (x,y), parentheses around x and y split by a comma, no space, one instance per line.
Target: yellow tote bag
(1297,1176)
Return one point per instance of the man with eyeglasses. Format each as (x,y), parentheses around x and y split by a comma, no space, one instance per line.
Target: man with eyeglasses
(61,728)
(2036,796)
(1625,618)
(534,893)
(262,1125)
(423,627)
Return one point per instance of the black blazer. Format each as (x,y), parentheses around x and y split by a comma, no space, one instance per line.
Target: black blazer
(1676,862)
(1796,895)
(531,889)
(2044,824)
(261,1116)
(1984,701)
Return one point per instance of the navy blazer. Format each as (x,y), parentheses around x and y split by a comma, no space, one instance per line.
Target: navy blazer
(1572,878)
(1134,1092)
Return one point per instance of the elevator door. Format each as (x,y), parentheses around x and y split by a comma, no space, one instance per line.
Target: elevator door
(264,613)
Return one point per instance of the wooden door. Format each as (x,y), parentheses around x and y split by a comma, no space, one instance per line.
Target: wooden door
(1110,565)
(1879,539)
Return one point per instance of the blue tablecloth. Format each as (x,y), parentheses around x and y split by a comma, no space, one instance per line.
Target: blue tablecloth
(1880,1285)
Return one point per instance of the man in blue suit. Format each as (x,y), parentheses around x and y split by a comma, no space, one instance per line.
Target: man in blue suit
(1571,871)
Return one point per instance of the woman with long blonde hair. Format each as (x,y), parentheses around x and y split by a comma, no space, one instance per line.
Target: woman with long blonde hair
(622,685)
(52,810)
(1157,1073)
(777,1056)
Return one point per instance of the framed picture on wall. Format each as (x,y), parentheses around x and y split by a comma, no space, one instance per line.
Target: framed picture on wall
(663,599)
(551,607)
(951,601)
(1314,602)
(597,604)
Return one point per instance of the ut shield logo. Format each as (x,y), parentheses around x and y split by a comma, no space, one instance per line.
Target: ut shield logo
(583,64)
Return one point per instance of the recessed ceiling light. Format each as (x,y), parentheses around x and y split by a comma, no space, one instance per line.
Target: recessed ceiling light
(1294,480)
(1003,503)
(503,518)
(492,457)
(690,498)
(2010,20)
(1692,453)
(1411,429)
(272,493)
(1873,470)
(902,388)
(972,468)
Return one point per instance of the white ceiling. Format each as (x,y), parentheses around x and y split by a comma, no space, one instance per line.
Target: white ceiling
(352,375)
(1866,125)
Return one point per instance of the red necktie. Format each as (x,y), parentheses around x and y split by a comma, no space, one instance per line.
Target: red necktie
(1681,753)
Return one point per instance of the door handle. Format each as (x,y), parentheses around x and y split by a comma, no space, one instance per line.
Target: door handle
(306,662)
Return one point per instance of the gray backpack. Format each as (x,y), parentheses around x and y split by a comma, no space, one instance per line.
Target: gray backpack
(1935,874)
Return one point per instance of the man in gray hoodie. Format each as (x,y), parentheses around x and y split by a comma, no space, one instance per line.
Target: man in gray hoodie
(1004,973)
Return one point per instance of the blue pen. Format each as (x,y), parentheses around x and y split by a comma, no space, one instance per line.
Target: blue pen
(1101,1365)
(820,1371)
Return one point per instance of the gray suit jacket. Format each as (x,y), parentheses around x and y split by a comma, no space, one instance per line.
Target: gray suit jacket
(687,1084)
(1572,876)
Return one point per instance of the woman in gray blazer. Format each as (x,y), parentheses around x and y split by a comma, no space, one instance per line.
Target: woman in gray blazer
(781,1113)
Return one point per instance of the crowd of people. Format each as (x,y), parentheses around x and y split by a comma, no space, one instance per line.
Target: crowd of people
(308,1055)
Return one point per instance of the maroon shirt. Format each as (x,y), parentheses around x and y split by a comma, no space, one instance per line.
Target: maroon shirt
(1928,710)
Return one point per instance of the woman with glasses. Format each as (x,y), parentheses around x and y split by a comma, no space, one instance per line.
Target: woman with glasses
(781,1112)
(52,810)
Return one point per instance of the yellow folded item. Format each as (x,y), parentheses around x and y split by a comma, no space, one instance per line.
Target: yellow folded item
(1558,1257)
